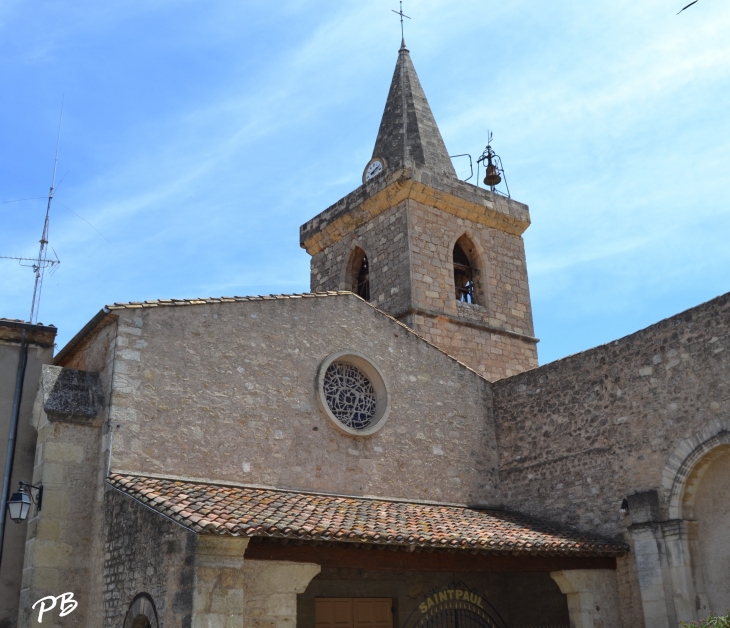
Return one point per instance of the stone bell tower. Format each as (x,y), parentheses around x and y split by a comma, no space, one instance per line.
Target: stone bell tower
(442,256)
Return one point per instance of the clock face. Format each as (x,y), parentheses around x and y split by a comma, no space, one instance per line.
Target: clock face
(373,169)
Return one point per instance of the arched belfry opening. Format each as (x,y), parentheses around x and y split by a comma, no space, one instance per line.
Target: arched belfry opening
(466,271)
(358,273)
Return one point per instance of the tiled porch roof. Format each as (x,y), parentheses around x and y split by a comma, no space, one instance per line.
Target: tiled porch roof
(258,512)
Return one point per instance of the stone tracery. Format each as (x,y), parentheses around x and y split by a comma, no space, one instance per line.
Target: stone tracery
(350,395)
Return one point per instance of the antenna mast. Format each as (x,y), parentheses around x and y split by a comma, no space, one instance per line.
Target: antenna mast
(41,262)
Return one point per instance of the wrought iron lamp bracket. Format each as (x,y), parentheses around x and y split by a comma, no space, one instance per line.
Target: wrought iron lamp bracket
(29,488)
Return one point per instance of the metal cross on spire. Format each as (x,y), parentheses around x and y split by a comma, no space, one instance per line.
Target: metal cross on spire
(402,15)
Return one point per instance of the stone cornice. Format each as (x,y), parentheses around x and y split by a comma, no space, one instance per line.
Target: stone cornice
(466,323)
(452,196)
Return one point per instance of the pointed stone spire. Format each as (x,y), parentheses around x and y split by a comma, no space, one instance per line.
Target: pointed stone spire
(408,132)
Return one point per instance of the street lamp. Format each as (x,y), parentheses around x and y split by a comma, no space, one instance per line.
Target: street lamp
(19,503)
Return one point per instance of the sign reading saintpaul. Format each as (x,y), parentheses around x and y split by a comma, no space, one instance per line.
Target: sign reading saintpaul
(457,606)
(450,594)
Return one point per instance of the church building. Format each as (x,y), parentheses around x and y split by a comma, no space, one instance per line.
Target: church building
(384,451)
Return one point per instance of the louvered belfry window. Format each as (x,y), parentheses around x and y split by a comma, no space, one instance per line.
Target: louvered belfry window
(463,276)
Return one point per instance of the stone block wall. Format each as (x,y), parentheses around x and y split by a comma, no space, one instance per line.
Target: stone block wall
(492,355)
(502,287)
(238,379)
(494,336)
(95,351)
(270,591)
(145,552)
(385,241)
(578,435)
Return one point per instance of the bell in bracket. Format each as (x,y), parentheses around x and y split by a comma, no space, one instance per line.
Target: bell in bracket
(493,166)
(492,177)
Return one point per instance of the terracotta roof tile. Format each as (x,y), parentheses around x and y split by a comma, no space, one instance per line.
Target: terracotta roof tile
(242,511)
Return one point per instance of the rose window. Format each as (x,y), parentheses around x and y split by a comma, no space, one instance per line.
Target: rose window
(350,395)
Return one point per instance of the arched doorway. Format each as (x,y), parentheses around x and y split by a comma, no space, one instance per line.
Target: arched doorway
(697,485)
(141,613)
(711,511)
(459,618)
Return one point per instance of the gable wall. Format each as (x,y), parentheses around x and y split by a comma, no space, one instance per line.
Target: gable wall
(580,434)
(227,392)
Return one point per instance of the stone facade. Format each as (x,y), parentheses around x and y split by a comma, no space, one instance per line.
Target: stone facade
(578,435)
(629,440)
(178,396)
(64,543)
(59,541)
(566,442)
(385,242)
(636,417)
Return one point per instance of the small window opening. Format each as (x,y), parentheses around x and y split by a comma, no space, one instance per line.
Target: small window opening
(362,283)
(463,276)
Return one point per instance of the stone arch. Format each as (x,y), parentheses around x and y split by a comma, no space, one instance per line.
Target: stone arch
(697,541)
(141,613)
(469,246)
(356,273)
(687,465)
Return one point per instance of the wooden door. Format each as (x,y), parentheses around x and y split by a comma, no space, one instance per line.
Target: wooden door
(357,612)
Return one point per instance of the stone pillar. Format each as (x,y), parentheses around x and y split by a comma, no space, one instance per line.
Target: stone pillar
(692,543)
(672,590)
(218,597)
(59,539)
(654,578)
(270,590)
(592,597)
(687,586)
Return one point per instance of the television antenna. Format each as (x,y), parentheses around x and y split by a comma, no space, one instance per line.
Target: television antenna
(41,262)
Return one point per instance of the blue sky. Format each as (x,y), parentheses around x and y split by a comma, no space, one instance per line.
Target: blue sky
(198,136)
